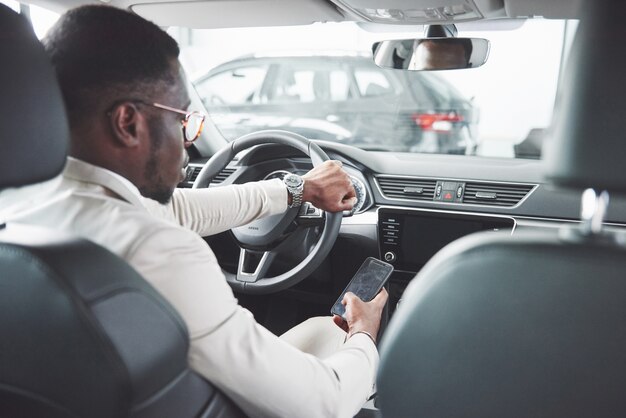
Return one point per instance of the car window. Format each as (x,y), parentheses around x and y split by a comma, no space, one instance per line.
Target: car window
(495,110)
(233,87)
(293,85)
(372,82)
(41,19)
(323,84)
(491,111)
(305,82)
(442,92)
(338,85)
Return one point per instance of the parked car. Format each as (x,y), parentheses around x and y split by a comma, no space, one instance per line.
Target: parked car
(340,98)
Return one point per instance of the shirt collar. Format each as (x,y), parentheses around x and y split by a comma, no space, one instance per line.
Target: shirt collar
(79,170)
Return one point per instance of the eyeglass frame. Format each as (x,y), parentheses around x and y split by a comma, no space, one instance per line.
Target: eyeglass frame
(170,109)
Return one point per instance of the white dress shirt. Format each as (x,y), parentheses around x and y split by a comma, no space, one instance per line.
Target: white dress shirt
(263,374)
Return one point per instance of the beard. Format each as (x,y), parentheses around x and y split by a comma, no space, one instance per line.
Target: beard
(157,190)
(156,187)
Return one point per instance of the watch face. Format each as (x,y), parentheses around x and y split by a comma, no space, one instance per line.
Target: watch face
(292,180)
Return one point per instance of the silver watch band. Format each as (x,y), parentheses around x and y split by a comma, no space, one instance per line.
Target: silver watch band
(296,199)
(295,188)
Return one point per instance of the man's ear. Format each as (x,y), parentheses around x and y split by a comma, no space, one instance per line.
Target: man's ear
(127,124)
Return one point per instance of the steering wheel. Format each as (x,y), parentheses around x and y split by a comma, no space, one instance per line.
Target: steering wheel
(263,239)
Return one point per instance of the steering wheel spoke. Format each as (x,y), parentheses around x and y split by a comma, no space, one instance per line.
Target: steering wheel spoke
(253,264)
(309,216)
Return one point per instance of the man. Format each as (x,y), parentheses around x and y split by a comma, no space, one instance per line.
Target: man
(441,54)
(125,95)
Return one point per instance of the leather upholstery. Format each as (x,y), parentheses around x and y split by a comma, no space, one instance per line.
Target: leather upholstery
(589,116)
(532,325)
(32,115)
(82,334)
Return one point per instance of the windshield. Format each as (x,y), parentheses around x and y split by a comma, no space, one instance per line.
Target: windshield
(320,81)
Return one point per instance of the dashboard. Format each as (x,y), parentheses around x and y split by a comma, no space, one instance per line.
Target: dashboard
(412,205)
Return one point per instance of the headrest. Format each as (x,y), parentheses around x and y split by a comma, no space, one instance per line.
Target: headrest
(33,125)
(588,144)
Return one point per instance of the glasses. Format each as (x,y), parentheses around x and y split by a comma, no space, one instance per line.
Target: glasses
(193,122)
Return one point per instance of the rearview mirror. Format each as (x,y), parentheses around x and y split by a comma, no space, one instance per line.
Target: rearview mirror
(431,53)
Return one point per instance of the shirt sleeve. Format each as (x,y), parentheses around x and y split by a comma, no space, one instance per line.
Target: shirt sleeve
(265,376)
(213,210)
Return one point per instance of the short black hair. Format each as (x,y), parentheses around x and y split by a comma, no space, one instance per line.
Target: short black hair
(102,54)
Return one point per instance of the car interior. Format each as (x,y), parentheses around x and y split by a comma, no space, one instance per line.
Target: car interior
(507,296)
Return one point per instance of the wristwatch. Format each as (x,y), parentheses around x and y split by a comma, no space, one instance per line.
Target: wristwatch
(295,187)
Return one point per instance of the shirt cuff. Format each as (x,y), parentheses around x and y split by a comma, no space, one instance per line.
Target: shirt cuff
(277,195)
(371,337)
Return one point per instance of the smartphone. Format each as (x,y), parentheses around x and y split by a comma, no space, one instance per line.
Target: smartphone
(366,283)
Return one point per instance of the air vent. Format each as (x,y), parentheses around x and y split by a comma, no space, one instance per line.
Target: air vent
(407,188)
(495,194)
(194,170)
(222,175)
(192,175)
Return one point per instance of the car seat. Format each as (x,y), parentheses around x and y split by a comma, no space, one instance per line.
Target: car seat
(533,324)
(82,334)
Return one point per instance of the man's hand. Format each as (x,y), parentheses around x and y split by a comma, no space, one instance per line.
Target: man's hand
(362,316)
(329,188)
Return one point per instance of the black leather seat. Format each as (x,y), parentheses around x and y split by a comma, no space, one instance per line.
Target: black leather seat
(81,333)
(534,324)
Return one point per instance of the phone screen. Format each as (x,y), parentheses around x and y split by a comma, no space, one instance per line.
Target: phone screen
(366,283)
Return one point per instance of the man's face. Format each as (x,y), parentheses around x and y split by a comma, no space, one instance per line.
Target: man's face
(431,55)
(165,167)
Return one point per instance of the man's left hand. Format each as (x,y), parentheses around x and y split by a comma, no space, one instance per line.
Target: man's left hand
(329,188)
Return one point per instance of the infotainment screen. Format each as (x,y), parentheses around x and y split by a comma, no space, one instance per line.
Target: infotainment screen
(409,238)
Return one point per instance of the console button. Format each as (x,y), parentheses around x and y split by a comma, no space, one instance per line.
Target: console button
(390,256)
(448,196)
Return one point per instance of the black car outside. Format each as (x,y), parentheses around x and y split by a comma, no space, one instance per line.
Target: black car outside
(342,98)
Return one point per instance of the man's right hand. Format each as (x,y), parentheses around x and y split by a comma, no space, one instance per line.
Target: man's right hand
(328,187)
(362,316)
